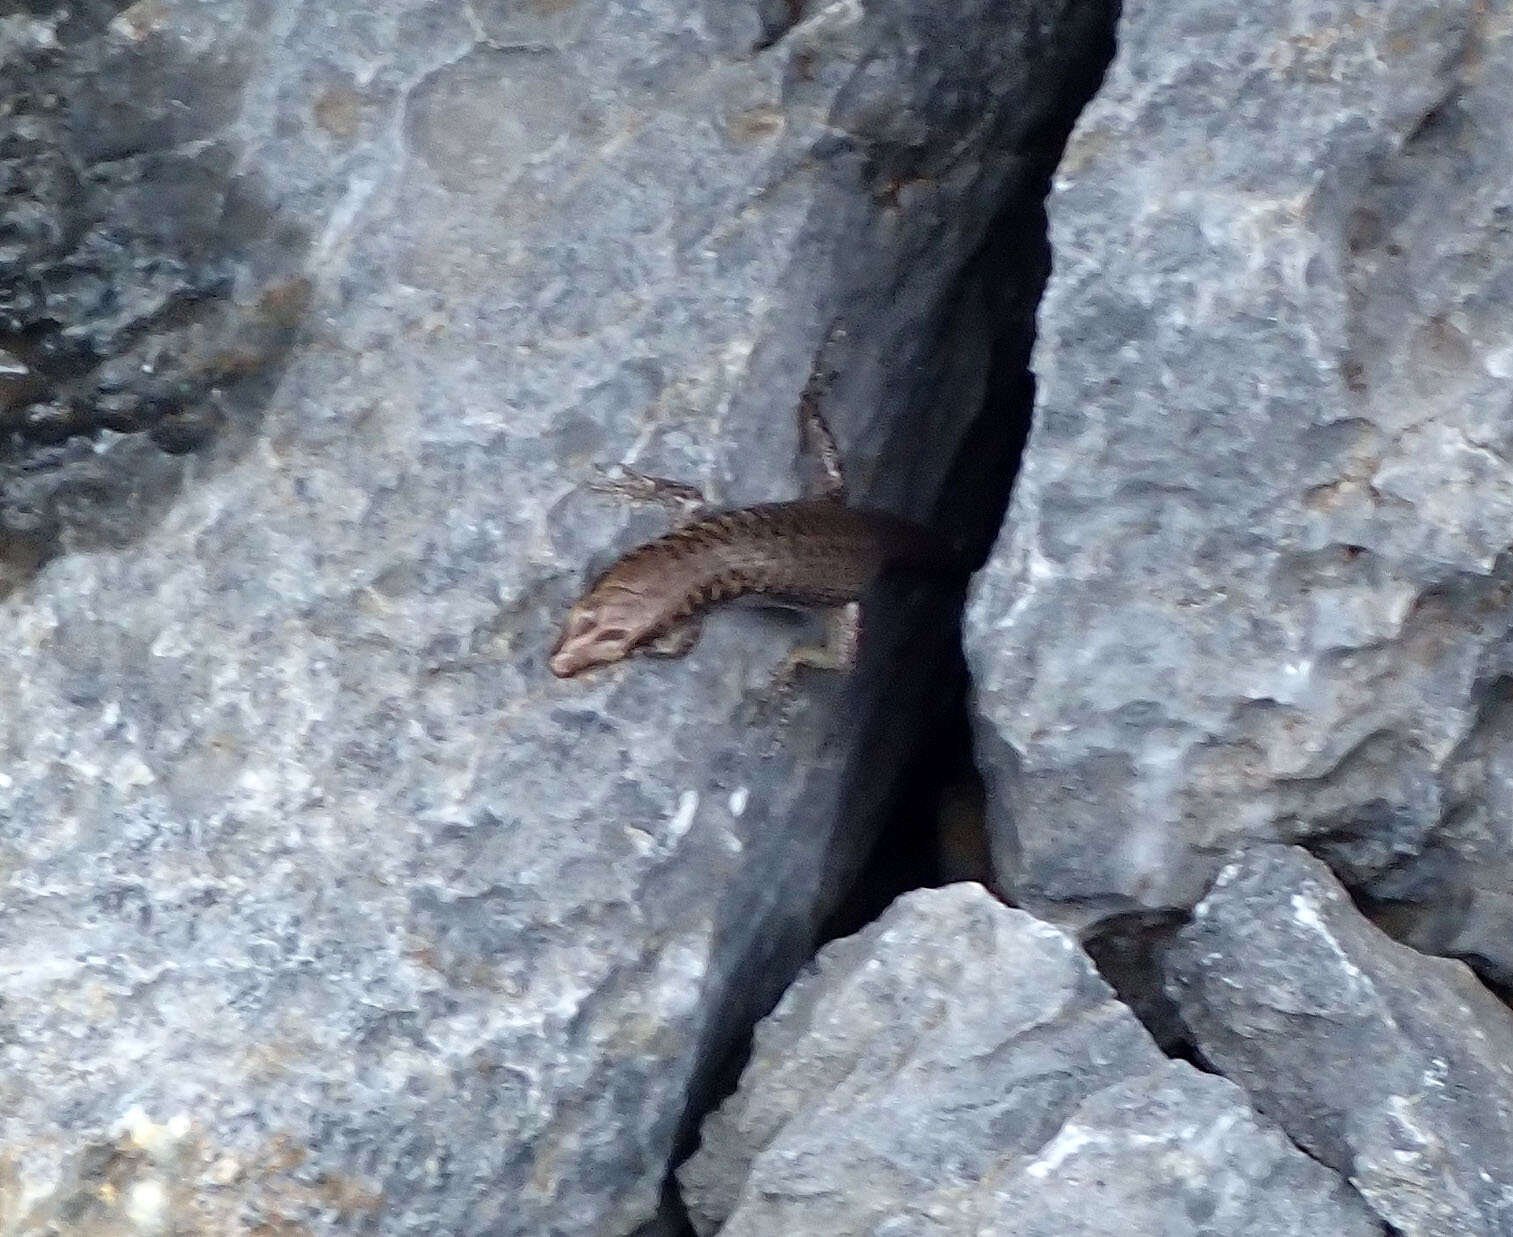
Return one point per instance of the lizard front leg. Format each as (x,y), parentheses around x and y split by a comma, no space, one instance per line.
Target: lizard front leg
(684,503)
(675,641)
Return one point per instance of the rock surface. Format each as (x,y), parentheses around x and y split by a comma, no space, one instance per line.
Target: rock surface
(958,1067)
(1255,579)
(1394,1068)
(149,285)
(325,908)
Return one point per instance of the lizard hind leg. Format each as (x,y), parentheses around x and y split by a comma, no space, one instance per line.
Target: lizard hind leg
(843,627)
(815,437)
(843,633)
(685,503)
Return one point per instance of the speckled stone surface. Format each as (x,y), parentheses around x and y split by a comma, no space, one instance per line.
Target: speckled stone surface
(958,1067)
(323,907)
(1392,1067)
(1255,580)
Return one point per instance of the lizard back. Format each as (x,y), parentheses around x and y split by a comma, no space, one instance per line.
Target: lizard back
(809,551)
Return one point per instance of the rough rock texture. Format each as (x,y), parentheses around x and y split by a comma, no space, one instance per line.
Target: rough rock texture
(958,1067)
(1255,580)
(325,908)
(148,284)
(1395,1068)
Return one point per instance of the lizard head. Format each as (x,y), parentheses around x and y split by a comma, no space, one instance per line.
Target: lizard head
(604,626)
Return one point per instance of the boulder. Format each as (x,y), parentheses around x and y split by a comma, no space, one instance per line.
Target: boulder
(958,1067)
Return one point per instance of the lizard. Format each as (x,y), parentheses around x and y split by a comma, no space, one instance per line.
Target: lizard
(811,552)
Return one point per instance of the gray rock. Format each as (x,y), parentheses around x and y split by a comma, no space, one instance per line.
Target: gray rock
(958,1067)
(1395,1068)
(150,286)
(325,907)
(1255,580)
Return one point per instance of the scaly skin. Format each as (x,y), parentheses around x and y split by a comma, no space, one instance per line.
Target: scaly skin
(811,552)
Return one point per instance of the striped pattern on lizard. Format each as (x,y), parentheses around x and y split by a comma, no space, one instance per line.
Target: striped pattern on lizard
(813,552)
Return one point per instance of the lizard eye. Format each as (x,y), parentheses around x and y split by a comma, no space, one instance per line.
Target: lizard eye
(591,637)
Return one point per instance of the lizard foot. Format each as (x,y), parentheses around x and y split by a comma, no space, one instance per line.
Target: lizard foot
(685,503)
(776,706)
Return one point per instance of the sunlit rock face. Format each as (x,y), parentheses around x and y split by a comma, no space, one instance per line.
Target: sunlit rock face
(1254,581)
(959,1067)
(1394,1068)
(326,908)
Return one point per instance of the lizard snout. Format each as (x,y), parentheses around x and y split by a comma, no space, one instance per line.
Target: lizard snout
(595,632)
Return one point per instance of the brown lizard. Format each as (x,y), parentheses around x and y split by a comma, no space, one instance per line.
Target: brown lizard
(812,552)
